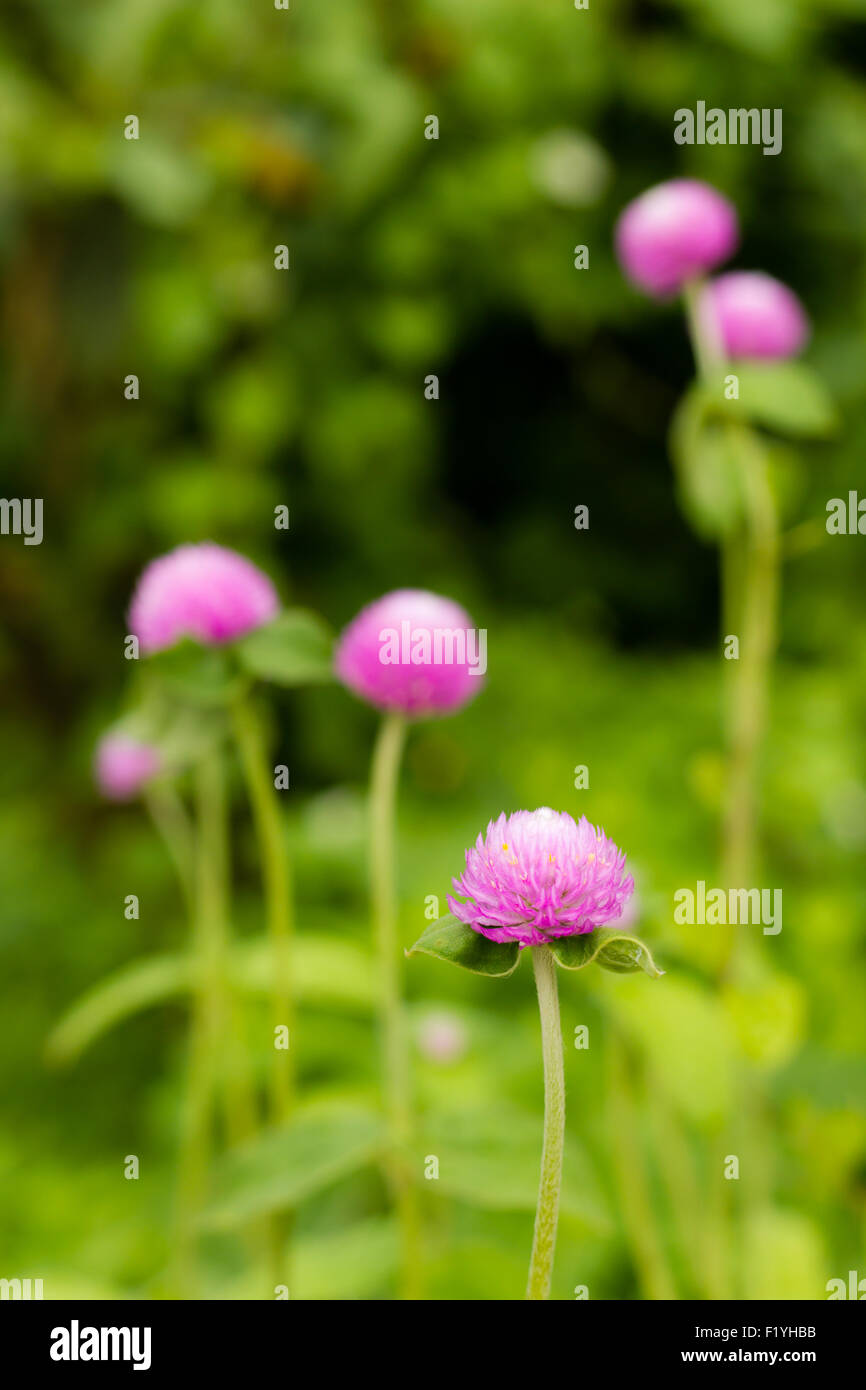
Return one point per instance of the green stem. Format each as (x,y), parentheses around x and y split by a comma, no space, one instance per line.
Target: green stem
(749,689)
(169,816)
(384,777)
(750,583)
(547,1210)
(278,897)
(706,340)
(676,1170)
(207,1020)
(629,1161)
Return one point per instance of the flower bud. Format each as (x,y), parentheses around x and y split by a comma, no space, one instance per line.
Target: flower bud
(204,592)
(123,765)
(756,315)
(413,652)
(674,232)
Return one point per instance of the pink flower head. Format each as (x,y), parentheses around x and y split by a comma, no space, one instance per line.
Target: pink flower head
(205,592)
(538,875)
(413,652)
(756,315)
(673,232)
(123,765)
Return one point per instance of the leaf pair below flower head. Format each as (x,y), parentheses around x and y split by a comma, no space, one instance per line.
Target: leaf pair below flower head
(451,940)
(293,649)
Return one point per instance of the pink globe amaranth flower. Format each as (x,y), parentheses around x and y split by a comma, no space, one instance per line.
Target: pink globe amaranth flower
(756,315)
(204,592)
(413,652)
(442,1037)
(538,875)
(673,232)
(123,765)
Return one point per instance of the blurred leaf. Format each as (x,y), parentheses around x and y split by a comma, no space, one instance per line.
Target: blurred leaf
(492,1158)
(785,396)
(280,1168)
(451,940)
(769,1018)
(201,675)
(687,1040)
(357,1262)
(826,1080)
(612,950)
(136,987)
(325,971)
(253,407)
(708,487)
(295,649)
(783,1256)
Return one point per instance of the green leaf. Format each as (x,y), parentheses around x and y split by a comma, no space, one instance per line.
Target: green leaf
(785,396)
(281,1167)
(612,950)
(326,971)
(295,649)
(138,986)
(708,485)
(201,675)
(451,940)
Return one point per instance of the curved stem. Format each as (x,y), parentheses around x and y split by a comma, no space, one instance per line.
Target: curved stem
(547,1211)
(384,777)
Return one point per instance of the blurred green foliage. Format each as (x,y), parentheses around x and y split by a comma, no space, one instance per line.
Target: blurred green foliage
(304,388)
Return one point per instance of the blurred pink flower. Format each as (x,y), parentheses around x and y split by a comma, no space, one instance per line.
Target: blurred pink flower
(442,1037)
(123,765)
(756,315)
(204,592)
(413,652)
(673,232)
(538,875)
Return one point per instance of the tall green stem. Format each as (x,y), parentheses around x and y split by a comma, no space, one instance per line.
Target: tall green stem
(635,1195)
(278,896)
(547,1210)
(207,1018)
(385,774)
(749,691)
(279,915)
(750,584)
